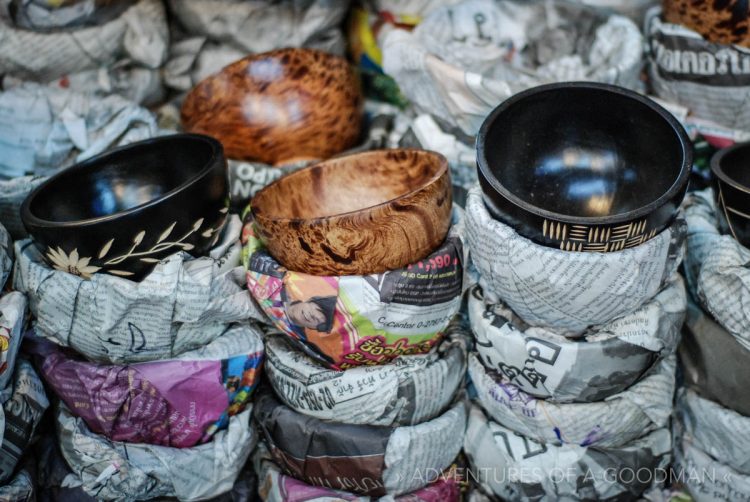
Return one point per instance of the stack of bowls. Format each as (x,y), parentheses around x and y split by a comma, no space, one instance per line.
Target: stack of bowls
(358,261)
(129,237)
(576,236)
(713,410)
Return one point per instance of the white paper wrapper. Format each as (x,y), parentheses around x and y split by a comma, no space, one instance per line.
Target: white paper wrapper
(607,360)
(644,407)
(514,467)
(130,471)
(223,31)
(365,459)
(182,304)
(12,320)
(569,291)
(463,60)
(722,433)
(21,488)
(634,9)
(715,267)
(407,391)
(6,255)
(706,478)
(714,362)
(20,416)
(711,80)
(122,55)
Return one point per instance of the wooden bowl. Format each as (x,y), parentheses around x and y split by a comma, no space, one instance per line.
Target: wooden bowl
(356,215)
(279,107)
(583,166)
(724,22)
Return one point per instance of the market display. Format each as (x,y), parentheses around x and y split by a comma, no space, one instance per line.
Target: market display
(393,251)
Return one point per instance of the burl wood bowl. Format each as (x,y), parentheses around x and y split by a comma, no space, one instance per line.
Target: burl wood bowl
(356,215)
(279,107)
(720,21)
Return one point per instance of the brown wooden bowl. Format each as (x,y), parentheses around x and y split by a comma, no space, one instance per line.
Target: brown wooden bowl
(279,107)
(356,215)
(724,22)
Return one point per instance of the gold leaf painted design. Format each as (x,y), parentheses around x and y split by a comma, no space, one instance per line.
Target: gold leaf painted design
(597,238)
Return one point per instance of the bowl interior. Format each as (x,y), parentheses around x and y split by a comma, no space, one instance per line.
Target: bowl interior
(348,184)
(735,165)
(122,179)
(584,152)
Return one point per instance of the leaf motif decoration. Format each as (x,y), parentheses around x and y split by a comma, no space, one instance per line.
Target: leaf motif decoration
(123,273)
(166,233)
(139,238)
(197,224)
(149,260)
(208,232)
(105,249)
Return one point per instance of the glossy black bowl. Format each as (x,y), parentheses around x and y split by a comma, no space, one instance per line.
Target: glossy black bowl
(123,211)
(583,166)
(731,168)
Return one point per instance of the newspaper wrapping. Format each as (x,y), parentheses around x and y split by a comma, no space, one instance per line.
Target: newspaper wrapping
(514,467)
(223,31)
(43,129)
(57,483)
(618,420)
(607,360)
(20,416)
(112,470)
(6,255)
(12,320)
(180,402)
(712,80)
(182,304)
(22,486)
(714,362)
(715,267)
(462,60)
(707,479)
(120,56)
(366,459)
(720,432)
(407,391)
(566,290)
(634,9)
(366,320)
(276,486)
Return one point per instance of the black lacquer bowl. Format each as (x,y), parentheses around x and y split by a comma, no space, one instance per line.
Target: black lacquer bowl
(123,211)
(583,166)
(731,168)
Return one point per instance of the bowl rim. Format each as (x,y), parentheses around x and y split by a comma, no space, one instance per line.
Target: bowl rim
(439,174)
(718,170)
(94,163)
(677,186)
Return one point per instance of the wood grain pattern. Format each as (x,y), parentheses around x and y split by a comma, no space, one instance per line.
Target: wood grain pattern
(720,21)
(279,107)
(356,215)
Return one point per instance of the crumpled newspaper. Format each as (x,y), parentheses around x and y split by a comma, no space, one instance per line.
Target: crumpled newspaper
(720,432)
(12,321)
(463,60)
(112,470)
(20,415)
(179,402)
(618,420)
(634,9)
(706,478)
(714,362)
(514,467)
(715,267)
(223,31)
(407,391)
(348,321)
(43,129)
(6,255)
(710,79)
(182,304)
(12,194)
(569,291)
(278,487)
(122,55)
(607,360)
(365,459)
(22,486)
